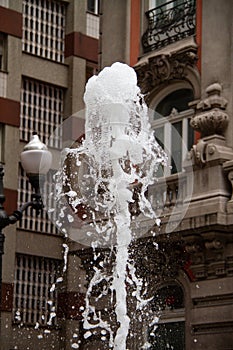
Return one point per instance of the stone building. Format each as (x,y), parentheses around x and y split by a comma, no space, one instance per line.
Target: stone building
(182,52)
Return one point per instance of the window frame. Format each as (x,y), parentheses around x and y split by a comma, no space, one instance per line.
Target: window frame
(3,48)
(171,316)
(167,122)
(96,7)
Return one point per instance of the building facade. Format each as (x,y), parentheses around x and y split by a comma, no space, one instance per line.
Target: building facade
(181,51)
(48,49)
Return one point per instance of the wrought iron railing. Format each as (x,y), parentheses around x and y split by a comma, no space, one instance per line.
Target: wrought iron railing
(169,23)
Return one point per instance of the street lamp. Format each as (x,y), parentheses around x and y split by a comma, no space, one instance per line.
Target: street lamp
(36,160)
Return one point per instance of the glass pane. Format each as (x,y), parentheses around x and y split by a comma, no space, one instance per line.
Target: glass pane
(170,297)
(177,99)
(92,6)
(168,336)
(155,3)
(2,52)
(190,136)
(157,115)
(176,147)
(159,136)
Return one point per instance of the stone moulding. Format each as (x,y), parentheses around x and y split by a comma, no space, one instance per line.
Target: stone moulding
(210,116)
(165,67)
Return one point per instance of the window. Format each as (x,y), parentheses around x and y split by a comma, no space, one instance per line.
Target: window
(3,50)
(41,111)
(35,299)
(44,28)
(41,223)
(93,6)
(93,18)
(3,64)
(170,4)
(172,128)
(91,70)
(169,332)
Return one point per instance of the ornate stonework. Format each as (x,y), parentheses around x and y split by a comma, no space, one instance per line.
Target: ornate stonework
(209,256)
(165,67)
(210,116)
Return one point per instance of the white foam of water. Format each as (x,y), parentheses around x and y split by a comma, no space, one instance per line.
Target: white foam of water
(119,152)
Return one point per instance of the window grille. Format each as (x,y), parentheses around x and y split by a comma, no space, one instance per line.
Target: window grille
(35,301)
(44,28)
(92,25)
(41,223)
(41,111)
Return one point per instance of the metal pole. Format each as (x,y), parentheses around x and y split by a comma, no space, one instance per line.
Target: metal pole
(5,220)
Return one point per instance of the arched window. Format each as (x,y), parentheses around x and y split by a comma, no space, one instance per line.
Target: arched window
(169,332)
(172,128)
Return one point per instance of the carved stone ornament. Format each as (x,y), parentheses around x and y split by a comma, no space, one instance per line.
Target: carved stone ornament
(209,255)
(163,68)
(210,117)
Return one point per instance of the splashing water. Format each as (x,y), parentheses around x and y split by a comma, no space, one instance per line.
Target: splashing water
(106,176)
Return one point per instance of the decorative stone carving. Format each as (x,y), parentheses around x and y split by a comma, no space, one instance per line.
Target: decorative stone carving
(210,117)
(198,152)
(209,255)
(164,68)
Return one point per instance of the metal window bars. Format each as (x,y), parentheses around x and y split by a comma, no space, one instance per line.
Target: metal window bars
(44,29)
(41,111)
(35,299)
(168,23)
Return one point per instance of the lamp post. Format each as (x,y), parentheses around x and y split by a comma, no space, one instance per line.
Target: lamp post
(36,161)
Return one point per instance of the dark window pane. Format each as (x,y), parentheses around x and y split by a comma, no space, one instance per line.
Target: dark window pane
(169,297)
(190,136)
(168,336)
(177,99)
(176,147)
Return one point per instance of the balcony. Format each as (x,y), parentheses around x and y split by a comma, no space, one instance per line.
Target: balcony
(169,23)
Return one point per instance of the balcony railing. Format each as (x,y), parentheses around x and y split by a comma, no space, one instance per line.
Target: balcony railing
(168,194)
(169,23)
